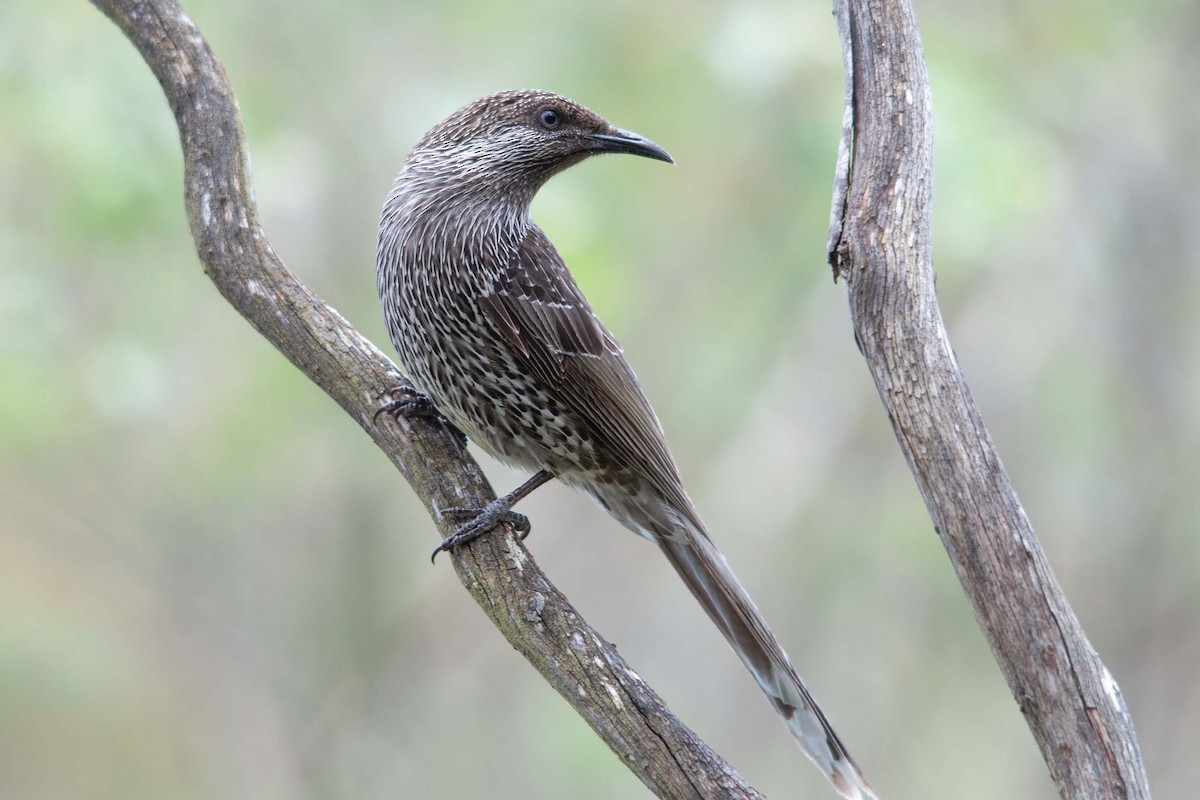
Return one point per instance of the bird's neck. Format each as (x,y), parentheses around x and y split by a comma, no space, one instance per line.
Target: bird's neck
(460,216)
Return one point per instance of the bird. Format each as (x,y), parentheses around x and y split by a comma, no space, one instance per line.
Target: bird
(499,341)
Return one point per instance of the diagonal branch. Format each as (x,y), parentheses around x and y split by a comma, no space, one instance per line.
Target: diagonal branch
(498,571)
(880,242)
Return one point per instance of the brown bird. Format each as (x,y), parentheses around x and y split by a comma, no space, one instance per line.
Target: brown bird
(493,329)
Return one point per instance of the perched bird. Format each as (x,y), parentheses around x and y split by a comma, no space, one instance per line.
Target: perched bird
(494,331)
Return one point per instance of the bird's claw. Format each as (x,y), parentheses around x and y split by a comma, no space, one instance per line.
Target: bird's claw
(477,522)
(409,403)
(406,402)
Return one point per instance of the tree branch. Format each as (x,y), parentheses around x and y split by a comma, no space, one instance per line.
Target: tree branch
(497,570)
(880,242)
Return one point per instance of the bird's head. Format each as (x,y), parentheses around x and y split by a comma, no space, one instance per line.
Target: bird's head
(514,141)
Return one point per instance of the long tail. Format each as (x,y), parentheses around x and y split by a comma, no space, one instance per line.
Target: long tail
(705,571)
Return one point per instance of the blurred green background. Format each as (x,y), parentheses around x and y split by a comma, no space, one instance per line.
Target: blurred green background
(213,585)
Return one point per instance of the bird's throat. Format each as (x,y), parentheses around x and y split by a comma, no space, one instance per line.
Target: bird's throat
(455,220)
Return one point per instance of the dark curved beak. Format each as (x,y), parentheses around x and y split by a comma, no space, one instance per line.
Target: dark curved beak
(621,141)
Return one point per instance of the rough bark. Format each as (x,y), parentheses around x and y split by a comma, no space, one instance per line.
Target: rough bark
(880,244)
(497,570)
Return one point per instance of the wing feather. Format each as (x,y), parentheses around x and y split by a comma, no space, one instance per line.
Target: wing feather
(537,308)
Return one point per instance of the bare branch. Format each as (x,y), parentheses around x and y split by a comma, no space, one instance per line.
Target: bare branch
(880,241)
(498,571)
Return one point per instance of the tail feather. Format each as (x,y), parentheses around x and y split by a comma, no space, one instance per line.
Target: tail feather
(708,576)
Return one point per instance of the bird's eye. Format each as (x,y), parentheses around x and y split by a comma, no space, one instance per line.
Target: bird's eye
(549,118)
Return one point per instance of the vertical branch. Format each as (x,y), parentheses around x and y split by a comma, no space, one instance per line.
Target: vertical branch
(880,243)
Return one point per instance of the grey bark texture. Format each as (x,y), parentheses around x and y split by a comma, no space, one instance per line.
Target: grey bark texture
(497,570)
(880,244)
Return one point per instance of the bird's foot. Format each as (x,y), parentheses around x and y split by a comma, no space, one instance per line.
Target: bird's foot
(478,521)
(404,401)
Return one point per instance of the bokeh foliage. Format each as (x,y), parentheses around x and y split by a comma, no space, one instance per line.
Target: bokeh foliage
(212,585)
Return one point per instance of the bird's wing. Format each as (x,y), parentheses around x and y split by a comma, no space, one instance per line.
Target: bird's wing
(536,306)
(552,331)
